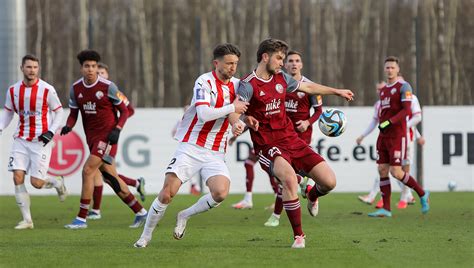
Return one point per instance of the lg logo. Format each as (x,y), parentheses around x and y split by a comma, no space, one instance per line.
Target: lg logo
(67,155)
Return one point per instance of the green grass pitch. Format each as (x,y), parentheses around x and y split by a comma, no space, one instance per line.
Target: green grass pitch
(341,236)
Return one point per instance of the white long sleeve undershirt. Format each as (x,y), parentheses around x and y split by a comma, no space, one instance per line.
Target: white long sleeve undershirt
(372,125)
(206,113)
(5,119)
(57,119)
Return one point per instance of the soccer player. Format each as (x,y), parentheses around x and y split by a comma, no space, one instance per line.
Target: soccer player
(203,140)
(395,106)
(406,196)
(298,106)
(94,213)
(98,100)
(40,111)
(276,142)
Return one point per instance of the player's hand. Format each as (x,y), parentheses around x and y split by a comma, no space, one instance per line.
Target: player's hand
(359,140)
(65,130)
(238,128)
(346,94)
(114,136)
(240,106)
(46,137)
(252,123)
(302,125)
(384,125)
(421,141)
(232,140)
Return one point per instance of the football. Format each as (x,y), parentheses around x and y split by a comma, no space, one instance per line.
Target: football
(332,122)
(452,186)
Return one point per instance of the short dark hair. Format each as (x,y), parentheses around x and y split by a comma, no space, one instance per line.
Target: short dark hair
(88,54)
(294,52)
(270,46)
(29,57)
(225,49)
(392,59)
(102,65)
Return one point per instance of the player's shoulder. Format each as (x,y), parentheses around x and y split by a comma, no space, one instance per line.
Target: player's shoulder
(235,81)
(205,77)
(305,79)
(16,85)
(77,82)
(249,77)
(105,81)
(46,85)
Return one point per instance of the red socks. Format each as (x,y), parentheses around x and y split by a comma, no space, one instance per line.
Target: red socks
(97,197)
(386,192)
(293,211)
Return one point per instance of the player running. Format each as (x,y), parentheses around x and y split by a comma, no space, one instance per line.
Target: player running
(298,106)
(203,140)
(395,106)
(279,148)
(98,100)
(94,213)
(40,113)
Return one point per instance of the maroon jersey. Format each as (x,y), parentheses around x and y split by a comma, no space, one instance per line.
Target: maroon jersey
(96,103)
(267,105)
(298,106)
(391,104)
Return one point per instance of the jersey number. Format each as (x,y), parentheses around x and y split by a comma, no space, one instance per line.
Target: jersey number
(171,163)
(10,162)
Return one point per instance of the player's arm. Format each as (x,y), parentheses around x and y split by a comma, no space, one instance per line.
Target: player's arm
(57,116)
(205,113)
(7,115)
(315,88)
(237,119)
(117,99)
(372,125)
(73,113)
(318,108)
(131,110)
(404,112)
(416,113)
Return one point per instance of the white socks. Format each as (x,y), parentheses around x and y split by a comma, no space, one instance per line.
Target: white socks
(248,197)
(375,189)
(50,183)
(23,201)
(204,203)
(155,213)
(141,212)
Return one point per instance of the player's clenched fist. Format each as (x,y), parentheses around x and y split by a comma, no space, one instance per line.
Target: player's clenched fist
(240,106)
(65,130)
(238,128)
(46,137)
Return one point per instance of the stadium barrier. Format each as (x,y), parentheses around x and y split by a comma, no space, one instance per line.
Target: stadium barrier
(146,147)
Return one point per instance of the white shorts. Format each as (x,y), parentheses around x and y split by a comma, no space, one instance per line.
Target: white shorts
(410,153)
(29,156)
(190,160)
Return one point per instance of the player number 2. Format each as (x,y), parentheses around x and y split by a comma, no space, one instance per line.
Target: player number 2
(171,163)
(10,162)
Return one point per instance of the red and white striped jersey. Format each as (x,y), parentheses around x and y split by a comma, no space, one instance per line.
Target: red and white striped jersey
(34,105)
(208,90)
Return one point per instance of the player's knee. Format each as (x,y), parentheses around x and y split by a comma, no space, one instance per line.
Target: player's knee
(397,173)
(37,183)
(112,181)
(88,171)
(219,195)
(166,195)
(290,183)
(383,170)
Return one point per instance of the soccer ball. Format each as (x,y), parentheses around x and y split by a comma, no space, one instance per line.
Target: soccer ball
(452,186)
(332,122)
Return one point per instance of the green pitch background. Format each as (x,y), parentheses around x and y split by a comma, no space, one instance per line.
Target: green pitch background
(341,236)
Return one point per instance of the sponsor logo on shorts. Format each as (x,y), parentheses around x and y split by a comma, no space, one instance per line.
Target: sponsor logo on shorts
(273,151)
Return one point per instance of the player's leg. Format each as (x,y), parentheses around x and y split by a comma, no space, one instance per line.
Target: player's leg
(109,172)
(158,208)
(274,219)
(325,181)
(22,200)
(370,198)
(89,170)
(137,183)
(94,213)
(18,164)
(409,181)
(247,202)
(287,176)
(384,159)
(40,157)
(218,190)
(407,192)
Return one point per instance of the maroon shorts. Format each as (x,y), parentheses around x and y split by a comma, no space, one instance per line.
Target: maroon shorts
(99,147)
(296,152)
(391,150)
(306,136)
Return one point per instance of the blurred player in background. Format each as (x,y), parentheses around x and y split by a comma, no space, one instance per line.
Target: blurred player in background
(40,113)
(203,141)
(98,100)
(298,106)
(395,106)
(406,196)
(279,148)
(94,213)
